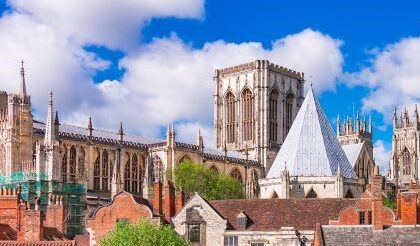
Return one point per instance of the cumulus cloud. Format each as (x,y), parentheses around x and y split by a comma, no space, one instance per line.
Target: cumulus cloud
(382,156)
(115,24)
(393,77)
(168,80)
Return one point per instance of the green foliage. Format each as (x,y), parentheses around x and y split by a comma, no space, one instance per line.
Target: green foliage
(193,177)
(388,202)
(144,233)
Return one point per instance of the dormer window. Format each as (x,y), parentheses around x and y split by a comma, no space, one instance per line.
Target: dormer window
(242,220)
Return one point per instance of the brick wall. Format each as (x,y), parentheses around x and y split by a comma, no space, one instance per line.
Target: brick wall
(409,208)
(55,213)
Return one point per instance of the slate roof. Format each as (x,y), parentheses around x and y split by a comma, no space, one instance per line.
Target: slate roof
(367,235)
(272,214)
(352,152)
(311,147)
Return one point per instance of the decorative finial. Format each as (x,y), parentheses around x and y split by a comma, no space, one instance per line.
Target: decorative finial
(56,119)
(121,132)
(22,87)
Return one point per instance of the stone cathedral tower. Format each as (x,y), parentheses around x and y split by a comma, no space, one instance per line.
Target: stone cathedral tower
(254,106)
(16,130)
(404,164)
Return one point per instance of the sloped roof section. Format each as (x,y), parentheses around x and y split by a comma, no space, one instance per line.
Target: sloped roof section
(352,152)
(311,147)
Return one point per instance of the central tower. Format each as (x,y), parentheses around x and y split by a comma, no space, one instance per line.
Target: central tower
(254,107)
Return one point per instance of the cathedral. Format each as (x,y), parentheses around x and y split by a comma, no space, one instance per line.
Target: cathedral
(404,164)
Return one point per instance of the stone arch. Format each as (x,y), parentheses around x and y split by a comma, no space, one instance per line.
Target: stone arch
(247,114)
(214,168)
(236,174)
(184,158)
(406,161)
(311,194)
(230,116)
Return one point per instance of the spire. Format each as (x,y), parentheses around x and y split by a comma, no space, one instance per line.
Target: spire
(416,113)
(357,122)
(56,119)
(121,132)
(22,86)
(200,141)
(370,125)
(49,127)
(90,128)
(246,151)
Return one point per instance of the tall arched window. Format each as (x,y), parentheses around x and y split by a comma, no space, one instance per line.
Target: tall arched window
(254,189)
(185,158)
(406,162)
(127,174)
(214,169)
(72,164)
(247,115)
(236,175)
(230,117)
(289,112)
(134,174)
(157,169)
(273,125)
(81,167)
(105,168)
(64,165)
(97,172)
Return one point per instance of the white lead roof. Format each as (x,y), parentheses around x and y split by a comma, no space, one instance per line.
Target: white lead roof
(311,148)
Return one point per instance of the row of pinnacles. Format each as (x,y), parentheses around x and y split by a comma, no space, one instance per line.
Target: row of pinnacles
(405,120)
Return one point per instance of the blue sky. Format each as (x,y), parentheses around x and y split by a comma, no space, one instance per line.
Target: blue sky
(105,60)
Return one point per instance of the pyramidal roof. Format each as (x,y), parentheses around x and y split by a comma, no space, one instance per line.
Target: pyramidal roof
(311,148)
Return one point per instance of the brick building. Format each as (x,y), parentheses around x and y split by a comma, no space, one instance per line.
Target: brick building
(369,222)
(128,207)
(21,224)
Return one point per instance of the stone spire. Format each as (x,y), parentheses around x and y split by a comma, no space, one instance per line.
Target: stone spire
(22,86)
(121,132)
(370,125)
(395,118)
(200,141)
(90,128)
(338,125)
(416,114)
(49,126)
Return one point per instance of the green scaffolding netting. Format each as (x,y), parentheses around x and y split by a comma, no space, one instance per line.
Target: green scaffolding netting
(33,185)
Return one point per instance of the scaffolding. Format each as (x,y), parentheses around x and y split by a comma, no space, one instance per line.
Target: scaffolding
(33,186)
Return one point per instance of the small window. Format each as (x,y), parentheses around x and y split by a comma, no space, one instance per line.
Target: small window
(257,244)
(194,233)
(361,217)
(123,221)
(370,217)
(231,241)
(242,221)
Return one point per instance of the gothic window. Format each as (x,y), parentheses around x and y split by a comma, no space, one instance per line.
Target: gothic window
(289,112)
(311,194)
(362,217)
(64,166)
(127,174)
(72,164)
(236,175)
(273,102)
(349,194)
(81,166)
(406,161)
(247,115)
(97,173)
(134,174)
(254,184)
(157,169)
(214,169)
(105,166)
(194,233)
(230,118)
(185,158)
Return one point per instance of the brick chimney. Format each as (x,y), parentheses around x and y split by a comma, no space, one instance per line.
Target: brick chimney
(157,198)
(32,227)
(398,197)
(409,208)
(169,201)
(55,213)
(377,204)
(179,201)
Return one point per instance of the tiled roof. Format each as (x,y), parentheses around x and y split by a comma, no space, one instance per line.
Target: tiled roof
(51,236)
(367,235)
(352,152)
(272,214)
(311,148)
(7,232)
(39,243)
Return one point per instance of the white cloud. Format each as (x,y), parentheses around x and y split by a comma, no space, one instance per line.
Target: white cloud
(382,156)
(168,80)
(393,77)
(115,24)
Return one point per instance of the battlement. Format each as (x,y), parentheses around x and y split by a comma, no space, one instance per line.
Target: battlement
(354,127)
(54,199)
(259,64)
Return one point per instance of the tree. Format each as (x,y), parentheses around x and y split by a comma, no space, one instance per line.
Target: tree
(143,233)
(193,177)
